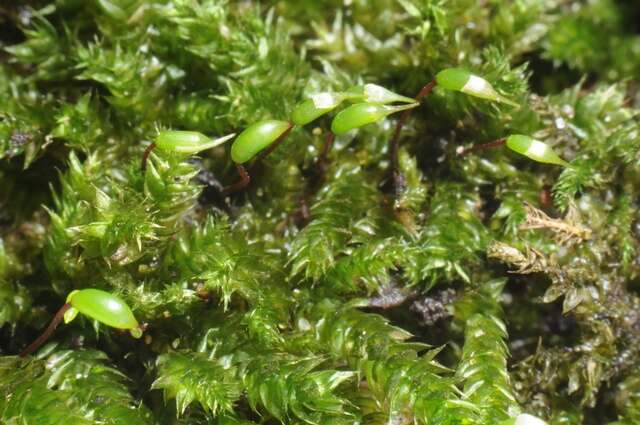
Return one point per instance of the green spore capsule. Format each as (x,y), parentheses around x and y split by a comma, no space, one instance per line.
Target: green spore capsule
(188,142)
(257,137)
(534,149)
(458,79)
(99,305)
(104,307)
(316,106)
(373,93)
(361,114)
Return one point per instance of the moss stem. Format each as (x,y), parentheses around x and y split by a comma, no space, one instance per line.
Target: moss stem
(145,156)
(395,140)
(47,332)
(484,146)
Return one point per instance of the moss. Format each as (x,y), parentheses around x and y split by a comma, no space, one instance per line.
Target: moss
(341,286)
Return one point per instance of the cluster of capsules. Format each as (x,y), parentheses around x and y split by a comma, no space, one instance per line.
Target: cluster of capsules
(368,103)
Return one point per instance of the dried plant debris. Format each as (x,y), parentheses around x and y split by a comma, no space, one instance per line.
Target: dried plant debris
(531,261)
(566,230)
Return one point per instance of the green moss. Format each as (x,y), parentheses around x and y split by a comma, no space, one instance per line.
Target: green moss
(311,296)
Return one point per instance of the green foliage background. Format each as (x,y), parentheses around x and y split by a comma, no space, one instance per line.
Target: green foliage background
(509,286)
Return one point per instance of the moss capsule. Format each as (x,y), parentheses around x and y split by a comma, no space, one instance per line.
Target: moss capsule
(189,142)
(257,137)
(458,79)
(307,111)
(373,93)
(104,307)
(361,114)
(316,106)
(534,149)
(98,305)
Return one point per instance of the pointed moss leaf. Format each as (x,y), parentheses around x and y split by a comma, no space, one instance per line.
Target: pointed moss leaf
(571,300)
(188,142)
(103,307)
(316,106)
(257,137)
(154,183)
(410,8)
(113,10)
(458,79)
(534,149)
(360,114)
(553,293)
(192,377)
